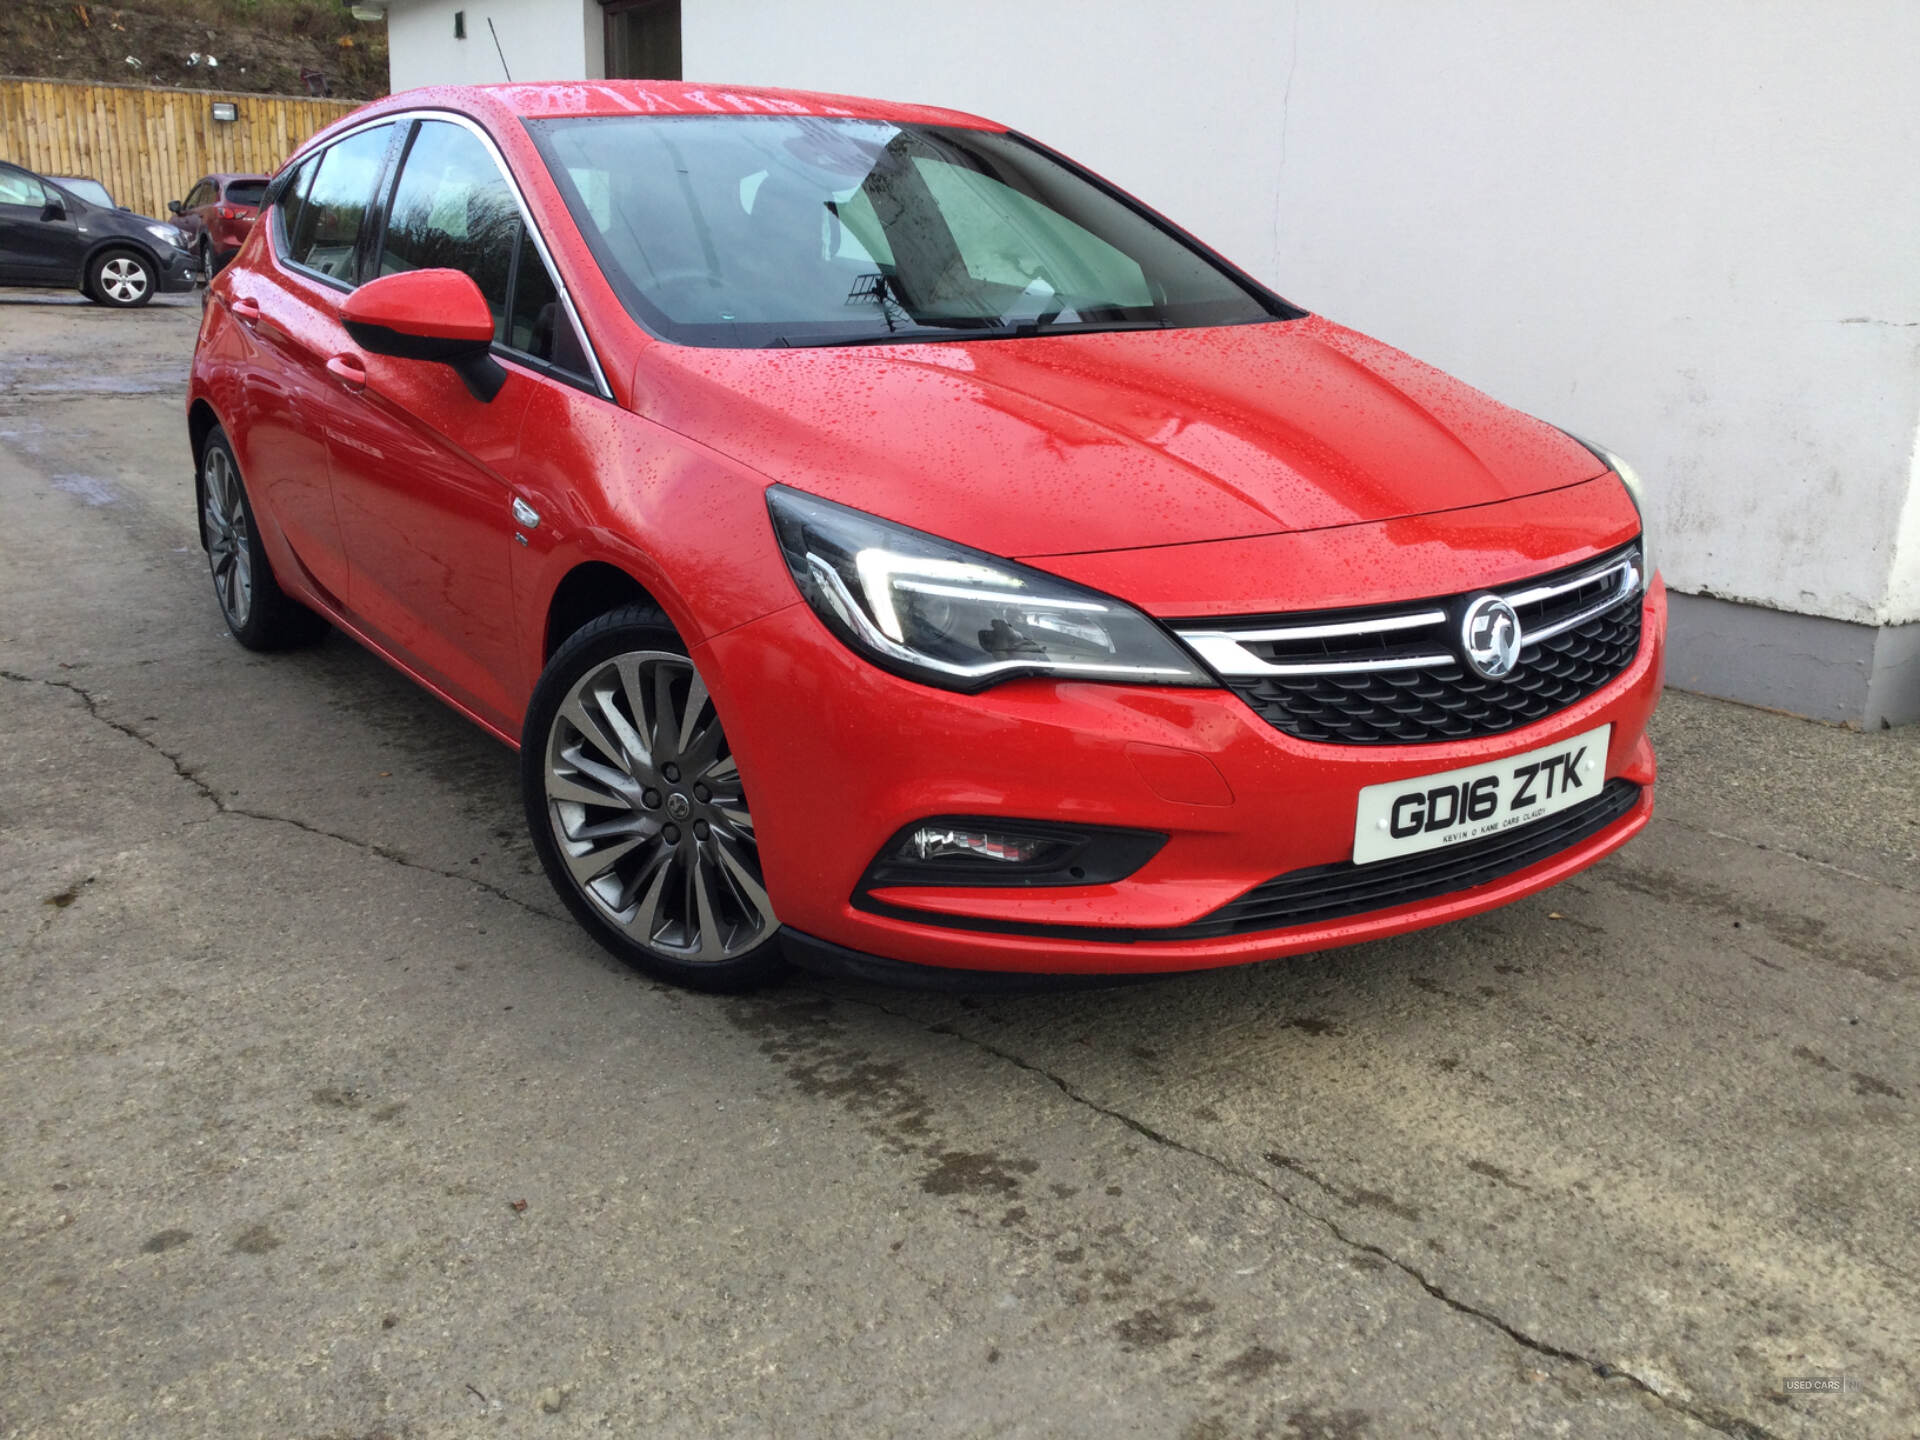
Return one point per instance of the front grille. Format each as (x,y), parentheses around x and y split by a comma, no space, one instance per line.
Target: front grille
(1448,702)
(1398,677)
(1334,892)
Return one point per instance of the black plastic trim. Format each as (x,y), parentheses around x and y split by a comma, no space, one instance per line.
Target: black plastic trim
(471,360)
(823,957)
(1340,891)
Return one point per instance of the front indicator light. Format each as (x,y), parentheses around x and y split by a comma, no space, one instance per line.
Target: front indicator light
(957,618)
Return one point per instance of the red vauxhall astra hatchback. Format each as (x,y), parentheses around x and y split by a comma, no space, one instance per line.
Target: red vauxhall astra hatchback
(893,548)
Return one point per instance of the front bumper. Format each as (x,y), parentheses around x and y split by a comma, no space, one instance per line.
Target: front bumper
(178,271)
(838,756)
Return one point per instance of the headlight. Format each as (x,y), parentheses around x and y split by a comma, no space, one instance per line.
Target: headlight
(1636,491)
(170,234)
(957,618)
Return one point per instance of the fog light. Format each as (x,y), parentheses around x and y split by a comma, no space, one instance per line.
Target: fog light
(986,850)
(939,842)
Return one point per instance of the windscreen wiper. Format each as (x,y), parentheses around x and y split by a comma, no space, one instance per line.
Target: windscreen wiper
(932,332)
(924,331)
(1044,325)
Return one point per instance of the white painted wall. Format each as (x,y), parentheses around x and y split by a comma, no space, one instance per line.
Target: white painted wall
(541,40)
(1683,228)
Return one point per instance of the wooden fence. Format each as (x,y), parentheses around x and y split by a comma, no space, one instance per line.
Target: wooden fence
(149,145)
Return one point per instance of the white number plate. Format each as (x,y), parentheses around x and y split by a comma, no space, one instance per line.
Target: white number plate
(1404,817)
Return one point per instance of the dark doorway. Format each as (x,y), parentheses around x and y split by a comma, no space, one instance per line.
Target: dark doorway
(643,39)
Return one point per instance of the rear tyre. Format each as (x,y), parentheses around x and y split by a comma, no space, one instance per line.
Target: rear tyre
(122,279)
(206,263)
(260,614)
(636,807)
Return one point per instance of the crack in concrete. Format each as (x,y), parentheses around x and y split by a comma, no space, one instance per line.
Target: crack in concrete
(1811,860)
(223,808)
(1713,1418)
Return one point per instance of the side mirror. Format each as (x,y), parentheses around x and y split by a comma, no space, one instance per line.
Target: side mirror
(53,210)
(174,207)
(435,315)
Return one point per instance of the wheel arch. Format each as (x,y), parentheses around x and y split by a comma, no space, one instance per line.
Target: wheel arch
(118,242)
(202,421)
(585,593)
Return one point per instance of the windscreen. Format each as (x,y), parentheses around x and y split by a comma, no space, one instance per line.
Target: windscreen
(246,192)
(802,230)
(91,191)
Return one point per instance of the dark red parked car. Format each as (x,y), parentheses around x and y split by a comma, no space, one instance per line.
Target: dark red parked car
(216,216)
(885,541)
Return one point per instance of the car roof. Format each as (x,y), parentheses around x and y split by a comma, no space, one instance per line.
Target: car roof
(664,97)
(578,98)
(225,178)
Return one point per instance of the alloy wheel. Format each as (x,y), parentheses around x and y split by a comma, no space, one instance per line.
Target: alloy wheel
(229,540)
(123,279)
(648,812)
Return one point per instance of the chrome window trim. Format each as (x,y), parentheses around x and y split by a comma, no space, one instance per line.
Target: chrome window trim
(1225,652)
(468,123)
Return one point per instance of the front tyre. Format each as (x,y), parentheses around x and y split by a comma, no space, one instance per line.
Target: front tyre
(636,807)
(121,278)
(260,614)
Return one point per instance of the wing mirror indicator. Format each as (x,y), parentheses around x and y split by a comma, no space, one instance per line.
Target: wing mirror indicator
(438,316)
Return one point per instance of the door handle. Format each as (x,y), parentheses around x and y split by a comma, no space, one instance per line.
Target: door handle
(246,308)
(348,370)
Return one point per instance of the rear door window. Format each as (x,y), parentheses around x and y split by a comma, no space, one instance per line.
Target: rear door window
(326,236)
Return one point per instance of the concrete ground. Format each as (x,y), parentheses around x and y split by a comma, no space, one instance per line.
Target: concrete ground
(322,1120)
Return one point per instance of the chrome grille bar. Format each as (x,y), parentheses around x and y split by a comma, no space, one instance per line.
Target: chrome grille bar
(1350,627)
(1627,583)
(1225,649)
(1226,655)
